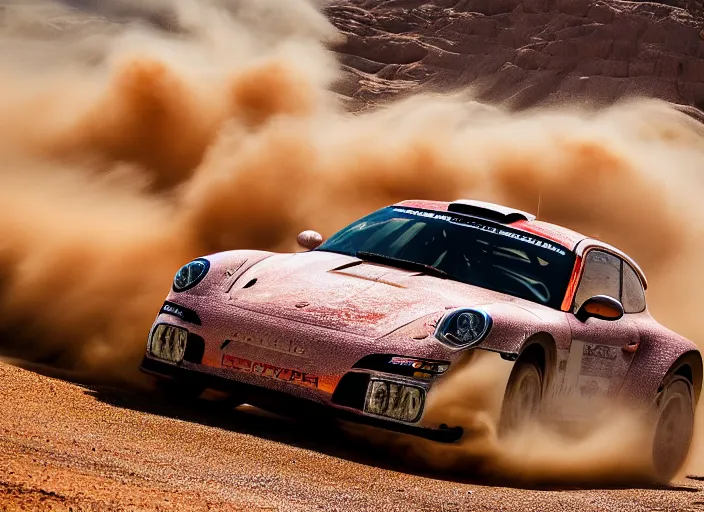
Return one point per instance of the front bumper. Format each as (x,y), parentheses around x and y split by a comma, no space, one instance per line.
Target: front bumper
(288,404)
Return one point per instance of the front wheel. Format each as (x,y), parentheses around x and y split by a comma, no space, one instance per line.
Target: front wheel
(674,427)
(524,394)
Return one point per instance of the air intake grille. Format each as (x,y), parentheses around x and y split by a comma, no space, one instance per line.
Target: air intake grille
(351,390)
(195,348)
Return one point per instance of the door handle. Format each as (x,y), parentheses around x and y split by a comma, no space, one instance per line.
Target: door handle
(631,347)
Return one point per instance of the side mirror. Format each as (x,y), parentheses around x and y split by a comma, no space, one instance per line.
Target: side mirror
(309,239)
(602,307)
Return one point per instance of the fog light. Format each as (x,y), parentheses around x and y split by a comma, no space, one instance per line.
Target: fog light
(394,400)
(169,343)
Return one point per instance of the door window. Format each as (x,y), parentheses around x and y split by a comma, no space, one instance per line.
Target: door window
(601,276)
(633,295)
(606,274)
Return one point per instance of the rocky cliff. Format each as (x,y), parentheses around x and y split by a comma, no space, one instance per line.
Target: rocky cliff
(522,52)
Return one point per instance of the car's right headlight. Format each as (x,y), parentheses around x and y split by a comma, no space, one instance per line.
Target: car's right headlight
(464,327)
(191,274)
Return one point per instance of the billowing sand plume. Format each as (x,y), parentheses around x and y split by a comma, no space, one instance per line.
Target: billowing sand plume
(613,450)
(99,182)
(126,150)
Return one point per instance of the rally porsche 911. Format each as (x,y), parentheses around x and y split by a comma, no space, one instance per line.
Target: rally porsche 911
(362,325)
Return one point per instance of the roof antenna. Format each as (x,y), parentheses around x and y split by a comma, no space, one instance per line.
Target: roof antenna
(540,196)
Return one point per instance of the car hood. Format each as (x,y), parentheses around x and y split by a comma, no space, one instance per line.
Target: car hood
(344,293)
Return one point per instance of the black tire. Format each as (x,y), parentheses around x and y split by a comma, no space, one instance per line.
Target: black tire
(673,427)
(523,396)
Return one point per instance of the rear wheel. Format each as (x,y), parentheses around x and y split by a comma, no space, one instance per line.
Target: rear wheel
(524,394)
(674,427)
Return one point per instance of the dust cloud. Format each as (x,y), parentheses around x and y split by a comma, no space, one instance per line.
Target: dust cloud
(611,450)
(180,129)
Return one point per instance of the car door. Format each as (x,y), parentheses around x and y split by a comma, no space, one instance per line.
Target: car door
(601,350)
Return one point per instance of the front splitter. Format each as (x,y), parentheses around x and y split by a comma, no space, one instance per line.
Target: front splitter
(283,403)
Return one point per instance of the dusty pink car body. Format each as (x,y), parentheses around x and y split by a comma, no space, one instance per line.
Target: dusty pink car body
(293,326)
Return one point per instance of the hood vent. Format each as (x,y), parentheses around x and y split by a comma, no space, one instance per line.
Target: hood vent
(490,211)
(250,283)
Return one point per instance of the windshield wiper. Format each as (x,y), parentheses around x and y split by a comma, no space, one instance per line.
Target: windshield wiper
(412,265)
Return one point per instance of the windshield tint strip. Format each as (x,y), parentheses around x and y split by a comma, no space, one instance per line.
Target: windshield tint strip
(472,223)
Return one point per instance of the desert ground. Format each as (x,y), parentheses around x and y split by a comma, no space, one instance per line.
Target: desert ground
(76,447)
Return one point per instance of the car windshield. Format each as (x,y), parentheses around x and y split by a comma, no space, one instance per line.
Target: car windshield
(462,248)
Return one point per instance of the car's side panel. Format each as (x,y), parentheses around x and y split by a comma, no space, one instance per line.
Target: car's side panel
(658,351)
(516,329)
(514,326)
(598,363)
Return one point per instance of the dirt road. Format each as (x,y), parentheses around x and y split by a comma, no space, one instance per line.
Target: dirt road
(70,447)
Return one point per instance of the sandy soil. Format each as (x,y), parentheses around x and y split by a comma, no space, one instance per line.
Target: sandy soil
(71,447)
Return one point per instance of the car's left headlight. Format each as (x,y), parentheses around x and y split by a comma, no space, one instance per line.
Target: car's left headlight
(191,274)
(464,327)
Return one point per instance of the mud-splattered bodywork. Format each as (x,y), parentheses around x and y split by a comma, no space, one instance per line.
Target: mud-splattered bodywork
(321,326)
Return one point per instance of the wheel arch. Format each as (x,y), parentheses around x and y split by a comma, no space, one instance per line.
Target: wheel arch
(538,351)
(661,353)
(689,366)
(541,346)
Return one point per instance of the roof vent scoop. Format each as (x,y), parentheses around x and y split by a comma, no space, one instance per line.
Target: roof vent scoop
(490,211)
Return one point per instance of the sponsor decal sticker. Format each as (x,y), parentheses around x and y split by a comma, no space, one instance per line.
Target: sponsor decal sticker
(403,361)
(168,308)
(600,351)
(423,367)
(590,389)
(270,371)
(487,228)
(185,314)
(598,360)
(591,377)
(277,344)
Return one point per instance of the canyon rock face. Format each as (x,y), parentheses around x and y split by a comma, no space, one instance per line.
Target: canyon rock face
(521,52)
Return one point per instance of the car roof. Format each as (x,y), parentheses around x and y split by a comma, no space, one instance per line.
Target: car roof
(526,222)
(523,221)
